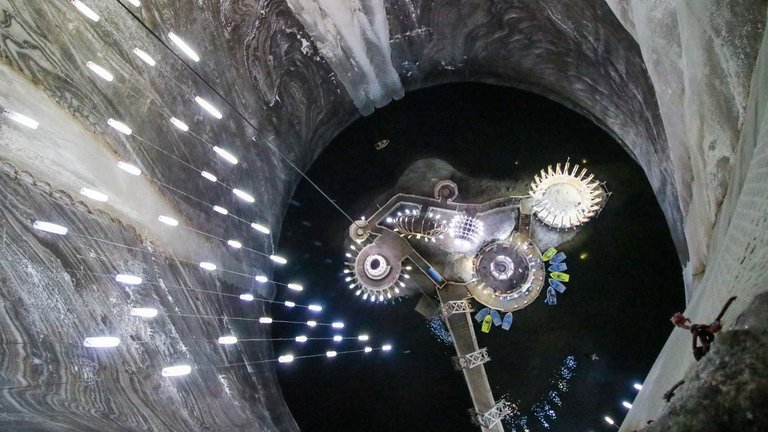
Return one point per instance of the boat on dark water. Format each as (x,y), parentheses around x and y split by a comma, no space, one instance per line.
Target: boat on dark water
(487,323)
(549,253)
(480,316)
(496,317)
(558,258)
(559,267)
(551,298)
(507,322)
(557,285)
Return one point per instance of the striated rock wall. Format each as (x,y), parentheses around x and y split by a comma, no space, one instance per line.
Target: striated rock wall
(288,75)
(700,57)
(266,75)
(354,38)
(57,290)
(738,251)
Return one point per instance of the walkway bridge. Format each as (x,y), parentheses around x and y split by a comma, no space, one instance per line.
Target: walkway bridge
(456,310)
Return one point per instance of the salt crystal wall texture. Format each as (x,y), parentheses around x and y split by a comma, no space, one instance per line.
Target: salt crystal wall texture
(57,290)
(700,57)
(670,81)
(737,244)
(354,38)
(49,381)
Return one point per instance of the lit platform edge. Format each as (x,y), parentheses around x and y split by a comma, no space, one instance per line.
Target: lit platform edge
(527,292)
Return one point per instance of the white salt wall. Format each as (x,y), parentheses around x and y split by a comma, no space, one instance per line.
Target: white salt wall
(353,37)
(700,56)
(713,97)
(68,157)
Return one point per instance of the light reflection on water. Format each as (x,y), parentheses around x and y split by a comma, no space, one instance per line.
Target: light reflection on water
(439,330)
(543,411)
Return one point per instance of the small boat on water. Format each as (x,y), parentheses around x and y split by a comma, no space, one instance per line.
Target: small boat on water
(496,317)
(562,277)
(487,323)
(549,253)
(557,285)
(559,267)
(480,316)
(558,258)
(507,323)
(551,297)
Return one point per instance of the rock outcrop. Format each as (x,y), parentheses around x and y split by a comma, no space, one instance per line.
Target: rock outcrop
(728,389)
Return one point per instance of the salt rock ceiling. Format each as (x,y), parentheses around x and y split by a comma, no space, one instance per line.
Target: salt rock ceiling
(287,75)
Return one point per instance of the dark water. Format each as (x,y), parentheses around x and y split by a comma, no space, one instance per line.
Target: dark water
(564,366)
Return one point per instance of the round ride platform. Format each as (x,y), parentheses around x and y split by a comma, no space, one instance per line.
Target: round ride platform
(508,274)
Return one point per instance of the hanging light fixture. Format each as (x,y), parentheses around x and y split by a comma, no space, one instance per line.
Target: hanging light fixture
(178,370)
(208,176)
(144,312)
(128,279)
(119,126)
(130,169)
(144,56)
(205,265)
(85,10)
(184,47)
(179,124)
(50,227)
(101,342)
(100,71)
(227,340)
(21,119)
(208,107)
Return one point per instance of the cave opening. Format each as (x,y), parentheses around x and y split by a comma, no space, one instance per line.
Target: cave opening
(627,275)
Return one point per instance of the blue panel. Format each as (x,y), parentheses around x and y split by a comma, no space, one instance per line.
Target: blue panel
(434,275)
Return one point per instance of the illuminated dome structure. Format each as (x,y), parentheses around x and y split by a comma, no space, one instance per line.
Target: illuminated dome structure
(565,198)
(465,229)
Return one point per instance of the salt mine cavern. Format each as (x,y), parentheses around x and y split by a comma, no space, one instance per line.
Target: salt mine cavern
(383,215)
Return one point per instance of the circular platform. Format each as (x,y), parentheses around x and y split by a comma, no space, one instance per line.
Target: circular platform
(503,269)
(446,190)
(377,268)
(509,274)
(564,198)
(359,231)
